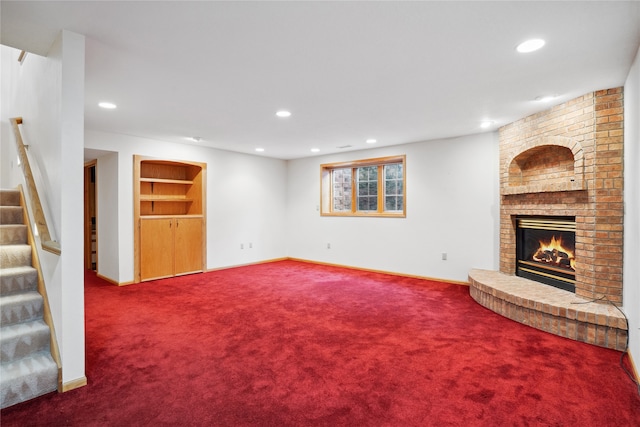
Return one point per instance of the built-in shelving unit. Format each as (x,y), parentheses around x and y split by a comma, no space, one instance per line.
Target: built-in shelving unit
(169,211)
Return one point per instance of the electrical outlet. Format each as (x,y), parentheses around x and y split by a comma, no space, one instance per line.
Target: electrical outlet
(444,256)
(241,245)
(328,245)
(250,245)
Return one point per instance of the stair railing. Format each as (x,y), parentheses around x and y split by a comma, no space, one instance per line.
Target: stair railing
(42,290)
(48,244)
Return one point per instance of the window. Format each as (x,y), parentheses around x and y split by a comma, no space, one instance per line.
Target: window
(372,187)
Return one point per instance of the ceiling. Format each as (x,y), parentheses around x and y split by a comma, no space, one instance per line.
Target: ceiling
(397,72)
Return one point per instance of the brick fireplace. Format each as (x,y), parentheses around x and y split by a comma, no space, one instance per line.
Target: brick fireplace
(566,161)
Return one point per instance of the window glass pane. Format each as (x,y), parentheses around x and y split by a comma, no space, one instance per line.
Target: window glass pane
(393,203)
(390,172)
(390,187)
(393,187)
(363,174)
(341,189)
(367,188)
(373,173)
(373,203)
(363,189)
(390,203)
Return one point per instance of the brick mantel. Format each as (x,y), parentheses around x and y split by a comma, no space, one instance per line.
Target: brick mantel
(567,161)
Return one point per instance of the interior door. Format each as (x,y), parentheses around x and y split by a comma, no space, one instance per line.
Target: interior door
(156,248)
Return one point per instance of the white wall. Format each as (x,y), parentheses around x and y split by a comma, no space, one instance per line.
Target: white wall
(452,207)
(107,209)
(246,202)
(41,128)
(272,205)
(631,272)
(48,93)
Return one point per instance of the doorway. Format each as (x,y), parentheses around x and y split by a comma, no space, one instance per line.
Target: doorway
(90,216)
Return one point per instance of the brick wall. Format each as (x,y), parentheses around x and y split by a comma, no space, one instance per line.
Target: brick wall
(568,161)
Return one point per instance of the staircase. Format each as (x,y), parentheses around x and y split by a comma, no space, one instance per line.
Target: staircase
(27,369)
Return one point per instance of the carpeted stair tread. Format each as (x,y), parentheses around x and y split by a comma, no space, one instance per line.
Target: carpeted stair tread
(18,279)
(23,339)
(15,256)
(22,307)
(13,234)
(27,378)
(9,197)
(11,215)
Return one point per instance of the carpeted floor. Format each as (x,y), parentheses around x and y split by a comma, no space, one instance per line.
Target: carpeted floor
(296,344)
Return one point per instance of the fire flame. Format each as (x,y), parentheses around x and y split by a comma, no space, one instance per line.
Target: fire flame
(555,254)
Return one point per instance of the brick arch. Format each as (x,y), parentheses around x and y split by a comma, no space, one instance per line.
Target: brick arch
(567,175)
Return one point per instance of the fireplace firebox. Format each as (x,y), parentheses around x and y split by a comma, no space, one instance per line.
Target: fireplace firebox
(545,250)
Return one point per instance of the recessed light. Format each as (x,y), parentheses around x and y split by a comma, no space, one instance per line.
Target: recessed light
(486,124)
(259,149)
(283,113)
(530,45)
(315,150)
(546,98)
(107,105)
(371,141)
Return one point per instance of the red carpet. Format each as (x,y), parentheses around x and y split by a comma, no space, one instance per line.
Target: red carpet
(296,344)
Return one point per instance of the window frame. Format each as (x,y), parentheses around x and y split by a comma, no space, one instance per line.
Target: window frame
(326,187)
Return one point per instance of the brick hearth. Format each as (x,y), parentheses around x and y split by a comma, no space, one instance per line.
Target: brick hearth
(565,161)
(549,309)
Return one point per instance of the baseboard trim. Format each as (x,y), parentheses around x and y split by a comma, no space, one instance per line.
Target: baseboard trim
(391,273)
(634,370)
(72,385)
(113,282)
(266,261)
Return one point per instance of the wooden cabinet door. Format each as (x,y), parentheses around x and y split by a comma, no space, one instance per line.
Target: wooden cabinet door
(188,245)
(156,248)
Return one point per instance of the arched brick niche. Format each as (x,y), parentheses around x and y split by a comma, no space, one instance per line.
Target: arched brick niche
(546,164)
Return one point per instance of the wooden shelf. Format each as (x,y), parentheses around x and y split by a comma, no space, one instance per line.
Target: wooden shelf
(164,198)
(167,181)
(170,216)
